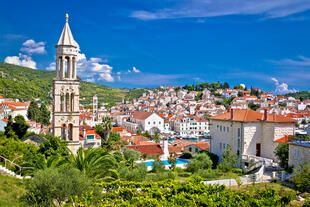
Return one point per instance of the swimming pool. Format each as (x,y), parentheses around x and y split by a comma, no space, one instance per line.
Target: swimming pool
(179,161)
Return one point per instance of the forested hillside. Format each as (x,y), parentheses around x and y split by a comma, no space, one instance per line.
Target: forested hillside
(26,84)
(303,95)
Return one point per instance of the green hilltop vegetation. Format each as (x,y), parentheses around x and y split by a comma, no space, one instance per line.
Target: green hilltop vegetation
(301,95)
(26,84)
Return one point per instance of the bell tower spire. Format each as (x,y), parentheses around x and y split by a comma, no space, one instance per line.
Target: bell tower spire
(66,90)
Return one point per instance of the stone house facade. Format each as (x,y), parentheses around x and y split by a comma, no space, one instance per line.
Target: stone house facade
(248,132)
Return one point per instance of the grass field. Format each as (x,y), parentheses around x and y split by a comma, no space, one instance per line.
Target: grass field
(10,191)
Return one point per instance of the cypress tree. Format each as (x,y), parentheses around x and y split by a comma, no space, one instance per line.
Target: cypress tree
(44,115)
(33,111)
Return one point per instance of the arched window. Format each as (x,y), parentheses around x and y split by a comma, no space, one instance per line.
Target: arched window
(63,132)
(67,102)
(62,103)
(68,72)
(72,102)
(70,127)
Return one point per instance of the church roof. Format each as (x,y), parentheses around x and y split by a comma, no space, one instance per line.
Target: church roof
(66,37)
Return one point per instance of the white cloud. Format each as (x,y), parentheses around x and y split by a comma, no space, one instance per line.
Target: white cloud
(213,8)
(301,61)
(281,88)
(21,60)
(134,69)
(91,69)
(32,47)
(51,66)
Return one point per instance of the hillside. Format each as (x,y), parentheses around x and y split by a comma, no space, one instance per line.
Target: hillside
(303,95)
(26,84)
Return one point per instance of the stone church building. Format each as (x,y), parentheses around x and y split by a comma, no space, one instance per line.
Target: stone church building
(66,90)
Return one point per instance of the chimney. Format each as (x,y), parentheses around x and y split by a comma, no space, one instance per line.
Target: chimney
(265,117)
(84,133)
(231,114)
(165,148)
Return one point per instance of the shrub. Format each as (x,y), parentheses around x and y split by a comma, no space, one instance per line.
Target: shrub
(137,174)
(282,153)
(199,161)
(130,154)
(53,187)
(237,171)
(229,160)
(186,155)
(302,179)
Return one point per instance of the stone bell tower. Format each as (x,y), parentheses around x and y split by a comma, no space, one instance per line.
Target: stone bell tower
(66,90)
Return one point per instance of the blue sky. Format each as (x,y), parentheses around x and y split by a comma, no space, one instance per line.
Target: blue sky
(139,43)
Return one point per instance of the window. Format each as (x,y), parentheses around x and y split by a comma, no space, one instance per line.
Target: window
(224,145)
(154,122)
(196,149)
(190,149)
(239,132)
(220,128)
(227,129)
(159,122)
(224,129)
(149,123)
(90,137)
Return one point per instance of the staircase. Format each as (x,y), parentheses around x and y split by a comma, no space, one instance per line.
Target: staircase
(7,172)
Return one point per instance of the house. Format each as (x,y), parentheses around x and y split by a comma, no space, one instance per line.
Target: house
(191,126)
(89,137)
(179,146)
(147,121)
(299,153)
(248,132)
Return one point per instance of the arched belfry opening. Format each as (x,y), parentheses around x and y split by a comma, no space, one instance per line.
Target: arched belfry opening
(66,89)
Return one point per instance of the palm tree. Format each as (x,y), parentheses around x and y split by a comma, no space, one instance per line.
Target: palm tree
(94,163)
(104,128)
(41,163)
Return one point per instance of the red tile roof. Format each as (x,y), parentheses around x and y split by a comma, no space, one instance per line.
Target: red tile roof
(250,115)
(149,149)
(178,145)
(141,115)
(284,139)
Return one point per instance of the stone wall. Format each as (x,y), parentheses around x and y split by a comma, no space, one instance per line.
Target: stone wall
(298,155)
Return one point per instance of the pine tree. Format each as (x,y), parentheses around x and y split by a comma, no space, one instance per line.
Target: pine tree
(226,85)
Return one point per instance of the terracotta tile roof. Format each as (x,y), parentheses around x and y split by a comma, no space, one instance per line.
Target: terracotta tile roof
(250,115)
(178,145)
(18,104)
(148,149)
(142,115)
(121,129)
(89,132)
(135,139)
(284,139)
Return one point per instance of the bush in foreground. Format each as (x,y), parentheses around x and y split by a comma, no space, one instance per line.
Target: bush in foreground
(53,187)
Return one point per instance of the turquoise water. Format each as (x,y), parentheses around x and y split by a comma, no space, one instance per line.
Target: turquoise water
(191,139)
(179,161)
